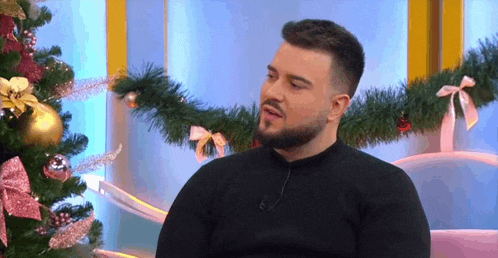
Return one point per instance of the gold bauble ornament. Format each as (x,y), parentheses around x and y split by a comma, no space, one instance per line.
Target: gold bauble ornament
(44,127)
(131,99)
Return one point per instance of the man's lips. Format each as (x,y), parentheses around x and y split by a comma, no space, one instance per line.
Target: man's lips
(272,111)
(269,116)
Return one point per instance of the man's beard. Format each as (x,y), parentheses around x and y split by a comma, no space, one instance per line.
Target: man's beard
(290,138)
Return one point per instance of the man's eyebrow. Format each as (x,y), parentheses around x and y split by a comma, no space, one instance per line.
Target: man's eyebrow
(291,76)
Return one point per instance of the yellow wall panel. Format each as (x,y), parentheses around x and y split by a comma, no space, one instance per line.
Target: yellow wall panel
(116,36)
(423,38)
(452,34)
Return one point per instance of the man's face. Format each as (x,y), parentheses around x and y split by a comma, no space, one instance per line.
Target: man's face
(304,106)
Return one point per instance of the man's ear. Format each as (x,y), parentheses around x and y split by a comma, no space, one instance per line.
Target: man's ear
(339,105)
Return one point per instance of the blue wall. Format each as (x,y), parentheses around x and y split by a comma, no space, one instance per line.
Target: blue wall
(78,27)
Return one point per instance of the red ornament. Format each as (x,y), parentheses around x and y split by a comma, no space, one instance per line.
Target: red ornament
(11,45)
(7,27)
(255,144)
(29,68)
(404,124)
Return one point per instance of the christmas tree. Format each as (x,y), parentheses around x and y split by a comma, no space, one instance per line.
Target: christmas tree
(36,145)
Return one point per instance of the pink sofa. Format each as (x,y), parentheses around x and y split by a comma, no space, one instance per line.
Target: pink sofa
(462,243)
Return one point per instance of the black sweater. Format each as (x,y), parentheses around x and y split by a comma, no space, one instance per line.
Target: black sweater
(339,203)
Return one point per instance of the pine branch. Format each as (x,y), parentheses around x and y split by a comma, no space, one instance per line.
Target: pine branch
(371,118)
(43,54)
(8,63)
(73,145)
(58,73)
(73,187)
(3,41)
(77,212)
(66,118)
(173,113)
(44,17)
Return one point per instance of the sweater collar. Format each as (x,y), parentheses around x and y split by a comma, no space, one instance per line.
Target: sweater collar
(330,152)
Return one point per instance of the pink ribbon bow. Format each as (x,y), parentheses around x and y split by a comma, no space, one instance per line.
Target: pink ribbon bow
(468,107)
(201,134)
(15,194)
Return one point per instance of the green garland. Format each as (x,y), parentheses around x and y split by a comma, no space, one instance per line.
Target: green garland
(371,118)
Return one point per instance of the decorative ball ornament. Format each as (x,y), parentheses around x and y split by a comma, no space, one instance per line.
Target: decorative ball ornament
(404,123)
(130,99)
(61,220)
(41,230)
(255,144)
(44,127)
(58,167)
(29,42)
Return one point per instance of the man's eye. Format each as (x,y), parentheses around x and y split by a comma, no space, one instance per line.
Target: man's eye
(297,86)
(269,76)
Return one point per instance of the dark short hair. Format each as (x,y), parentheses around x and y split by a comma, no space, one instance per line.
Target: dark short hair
(331,38)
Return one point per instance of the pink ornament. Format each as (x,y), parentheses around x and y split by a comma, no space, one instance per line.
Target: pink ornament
(69,235)
(468,108)
(15,197)
(58,167)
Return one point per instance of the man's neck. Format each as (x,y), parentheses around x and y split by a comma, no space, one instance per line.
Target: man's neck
(312,148)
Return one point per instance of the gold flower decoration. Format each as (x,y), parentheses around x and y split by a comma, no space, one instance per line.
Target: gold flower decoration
(12,8)
(16,94)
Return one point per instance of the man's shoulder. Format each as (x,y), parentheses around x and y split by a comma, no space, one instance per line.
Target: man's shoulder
(222,170)
(371,174)
(241,159)
(366,165)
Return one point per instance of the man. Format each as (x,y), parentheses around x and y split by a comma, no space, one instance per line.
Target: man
(303,193)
